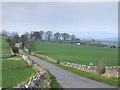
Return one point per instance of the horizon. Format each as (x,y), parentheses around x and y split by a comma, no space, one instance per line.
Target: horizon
(97,20)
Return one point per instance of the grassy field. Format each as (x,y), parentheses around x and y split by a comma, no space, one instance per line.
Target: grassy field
(11,78)
(77,54)
(5,47)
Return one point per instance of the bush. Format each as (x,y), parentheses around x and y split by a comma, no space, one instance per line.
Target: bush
(101,66)
(9,40)
(15,49)
(12,44)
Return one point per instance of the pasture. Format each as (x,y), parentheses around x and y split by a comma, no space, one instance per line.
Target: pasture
(5,46)
(11,77)
(77,54)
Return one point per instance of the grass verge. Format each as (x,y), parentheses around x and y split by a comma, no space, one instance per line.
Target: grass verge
(53,83)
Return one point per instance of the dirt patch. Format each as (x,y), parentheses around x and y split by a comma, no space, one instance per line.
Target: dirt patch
(14,58)
(14,68)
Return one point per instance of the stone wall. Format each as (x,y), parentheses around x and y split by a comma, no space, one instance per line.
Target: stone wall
(41,80)
(111,71)
(9,55)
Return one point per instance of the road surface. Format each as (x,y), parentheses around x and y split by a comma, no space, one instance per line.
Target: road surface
(67,79)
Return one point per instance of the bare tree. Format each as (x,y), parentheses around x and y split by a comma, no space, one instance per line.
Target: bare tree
(31,35)
(57,36)
(30,45)
(23,39)
(41,34)
(48,35)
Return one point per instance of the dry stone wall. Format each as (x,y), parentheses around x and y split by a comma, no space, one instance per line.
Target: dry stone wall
(41,80)
(111,71)
(9,55)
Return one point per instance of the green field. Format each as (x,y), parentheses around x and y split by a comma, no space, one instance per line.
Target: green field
(11,78)
(5,46)
(78,54)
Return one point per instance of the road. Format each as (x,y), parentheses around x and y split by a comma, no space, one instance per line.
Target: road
(7,56)
(67,79)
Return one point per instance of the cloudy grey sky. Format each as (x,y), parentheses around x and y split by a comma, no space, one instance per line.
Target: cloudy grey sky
(97,20)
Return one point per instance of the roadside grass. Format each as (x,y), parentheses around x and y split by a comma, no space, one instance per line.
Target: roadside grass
(53,83)
(77,54)
(5,46)
(11,78)
(93,76)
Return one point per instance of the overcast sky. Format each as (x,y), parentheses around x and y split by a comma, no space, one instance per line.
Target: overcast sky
(84,19)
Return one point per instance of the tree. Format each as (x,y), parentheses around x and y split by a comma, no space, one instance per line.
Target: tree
(72,37)
(30,45)
(13,34)
(48,35)
(27,34)
(36,34)
(9,40)
(31,35)
(57,36)
(16,38)
(65,36)
(4,33)
(41,34)
(23,39)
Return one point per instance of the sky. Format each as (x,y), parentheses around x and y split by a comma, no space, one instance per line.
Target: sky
(98,20)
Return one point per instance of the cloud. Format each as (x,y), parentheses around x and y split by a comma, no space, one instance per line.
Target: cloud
(62,17)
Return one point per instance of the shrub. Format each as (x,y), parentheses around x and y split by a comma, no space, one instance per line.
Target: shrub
(12,44)
(101,66)
(15,49)
(9,40)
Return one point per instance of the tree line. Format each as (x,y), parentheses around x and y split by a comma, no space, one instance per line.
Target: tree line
(42,35)
(36,35)
(49,35)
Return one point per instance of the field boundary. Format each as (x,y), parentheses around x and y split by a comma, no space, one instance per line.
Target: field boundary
(14,68)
